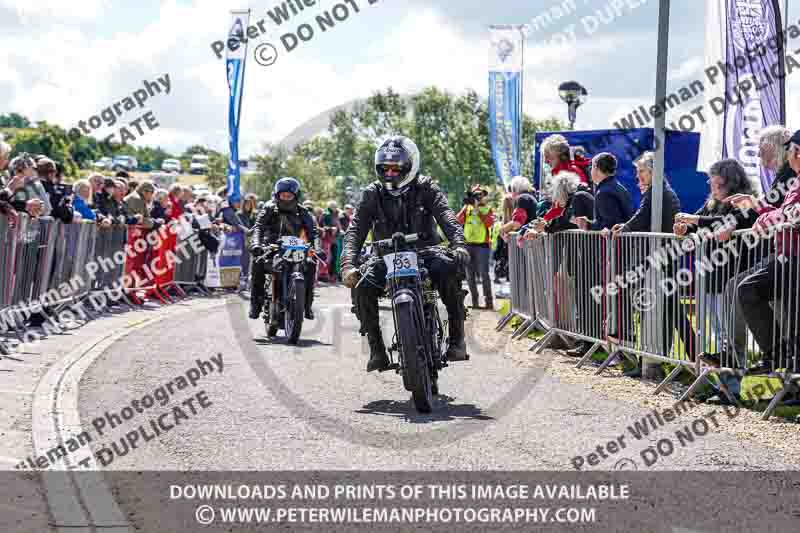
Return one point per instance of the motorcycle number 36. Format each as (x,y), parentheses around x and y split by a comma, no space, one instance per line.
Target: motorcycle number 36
(401,264)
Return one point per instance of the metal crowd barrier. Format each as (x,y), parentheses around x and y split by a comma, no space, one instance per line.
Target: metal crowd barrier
(45,268)
(667,298)
(532,306)
(724,307)
(7,253)
(107,283)
(655,301)
(526,307)
(517,269)
(190,269)
(573,269)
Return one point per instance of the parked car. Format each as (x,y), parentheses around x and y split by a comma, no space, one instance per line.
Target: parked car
(163,180)
(200,190)
(103,163)
(125,162)
(199,164)
(171,165)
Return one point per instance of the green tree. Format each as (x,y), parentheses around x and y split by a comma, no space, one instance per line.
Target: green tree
(270,166)
(217,173)
(49,140)
(317,184)
(14,120)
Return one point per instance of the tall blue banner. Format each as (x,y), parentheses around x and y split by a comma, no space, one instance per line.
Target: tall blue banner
(235,61)
(505,100)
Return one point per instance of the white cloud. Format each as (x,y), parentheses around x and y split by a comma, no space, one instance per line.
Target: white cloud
(687,69)
(70,71)
(56,9)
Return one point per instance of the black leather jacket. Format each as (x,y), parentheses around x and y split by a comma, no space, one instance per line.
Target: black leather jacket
(271,224)
(418,211)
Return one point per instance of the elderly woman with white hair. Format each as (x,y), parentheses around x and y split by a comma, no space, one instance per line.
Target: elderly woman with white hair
(82,189)
(160,212)
(524,205)
(772,148)
(635,252)
(571,199)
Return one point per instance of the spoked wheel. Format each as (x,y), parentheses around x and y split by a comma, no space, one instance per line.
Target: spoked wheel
(295,310)
(417,375)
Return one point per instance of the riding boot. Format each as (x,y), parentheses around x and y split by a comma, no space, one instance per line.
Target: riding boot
(456,347)
(378,360)
(311,274)
(257,290)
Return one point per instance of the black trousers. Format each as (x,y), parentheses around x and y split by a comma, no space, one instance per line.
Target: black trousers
(444,274)
(588,270)
(259,278)
(755,293)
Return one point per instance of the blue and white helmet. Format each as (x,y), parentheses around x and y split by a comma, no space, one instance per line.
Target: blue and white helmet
(396,152)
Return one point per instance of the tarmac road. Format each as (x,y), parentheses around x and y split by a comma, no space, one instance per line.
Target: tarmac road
(313,407)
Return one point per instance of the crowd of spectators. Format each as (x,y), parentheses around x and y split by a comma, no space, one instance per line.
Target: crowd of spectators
(35,185)
(332,223)
(573,201)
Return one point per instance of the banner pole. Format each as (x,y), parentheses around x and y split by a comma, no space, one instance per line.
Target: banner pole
(650,369)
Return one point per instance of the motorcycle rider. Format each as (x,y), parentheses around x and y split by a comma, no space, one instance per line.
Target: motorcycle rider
(401,200)
(280,217)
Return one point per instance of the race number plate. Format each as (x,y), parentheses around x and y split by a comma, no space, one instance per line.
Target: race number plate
(401,264)
(294,249)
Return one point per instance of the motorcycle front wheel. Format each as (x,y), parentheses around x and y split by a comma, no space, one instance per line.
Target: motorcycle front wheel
(295,310)
(416,373)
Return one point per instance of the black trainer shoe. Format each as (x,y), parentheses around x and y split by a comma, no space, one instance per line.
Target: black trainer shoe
(309,313)
(711,359)
(579,351)
(635,372)
(761,368)
(722,399)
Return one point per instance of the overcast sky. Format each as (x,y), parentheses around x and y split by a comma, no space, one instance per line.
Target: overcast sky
(64,61)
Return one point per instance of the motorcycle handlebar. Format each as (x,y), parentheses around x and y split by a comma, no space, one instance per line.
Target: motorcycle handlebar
(398,238)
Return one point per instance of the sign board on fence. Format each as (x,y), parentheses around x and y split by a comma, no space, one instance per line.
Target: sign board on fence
(225,267)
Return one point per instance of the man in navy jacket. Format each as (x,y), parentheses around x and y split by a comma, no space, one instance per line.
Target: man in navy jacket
(612,201)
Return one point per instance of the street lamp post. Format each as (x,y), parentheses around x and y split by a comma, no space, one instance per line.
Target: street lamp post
(574,95)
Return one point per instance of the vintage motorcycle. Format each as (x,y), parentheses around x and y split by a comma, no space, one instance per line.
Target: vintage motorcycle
(419,338)
(287,297)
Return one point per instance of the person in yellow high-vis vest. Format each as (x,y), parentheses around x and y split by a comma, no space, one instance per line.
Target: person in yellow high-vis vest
(478,218)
